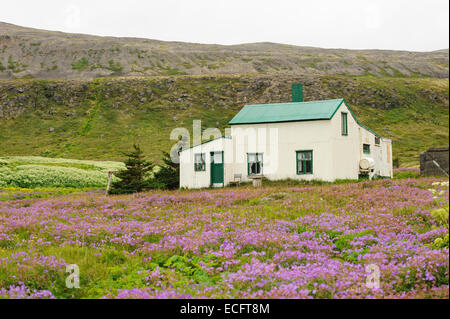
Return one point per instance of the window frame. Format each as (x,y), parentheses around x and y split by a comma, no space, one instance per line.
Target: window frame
(248,163)
(202,156)
(344,124)
(377,139)
(297,160)
(366,151)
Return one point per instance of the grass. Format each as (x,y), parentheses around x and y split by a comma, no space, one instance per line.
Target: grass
(18,193)
(406,173)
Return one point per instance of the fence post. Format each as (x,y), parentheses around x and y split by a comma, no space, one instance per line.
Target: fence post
(110,173)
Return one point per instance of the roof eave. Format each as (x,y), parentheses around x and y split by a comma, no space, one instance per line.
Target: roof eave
(286,121)
(354,117)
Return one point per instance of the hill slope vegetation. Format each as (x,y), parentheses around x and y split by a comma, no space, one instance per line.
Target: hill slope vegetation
(99,118)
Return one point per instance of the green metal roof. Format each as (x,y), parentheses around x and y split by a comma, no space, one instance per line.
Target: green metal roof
(287,112)
(292,112)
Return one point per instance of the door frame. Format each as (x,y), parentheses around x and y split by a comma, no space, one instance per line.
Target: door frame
(211,168)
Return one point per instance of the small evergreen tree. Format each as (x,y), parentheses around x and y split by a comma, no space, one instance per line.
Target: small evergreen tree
(168,176)
(134,178)
(396,162)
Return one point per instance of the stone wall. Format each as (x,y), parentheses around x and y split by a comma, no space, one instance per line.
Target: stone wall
(440,155)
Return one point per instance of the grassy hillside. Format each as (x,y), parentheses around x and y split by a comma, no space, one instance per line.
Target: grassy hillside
(97,119)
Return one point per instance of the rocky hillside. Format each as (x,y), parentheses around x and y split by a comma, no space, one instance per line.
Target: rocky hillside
(99,118)
(26,52)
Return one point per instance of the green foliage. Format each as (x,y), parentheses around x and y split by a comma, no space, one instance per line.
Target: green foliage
(81,64)
(116,67)
(17,193)
(29,176)
(13,161)
(441,216)
(38,172)
(190,267)
(13,65)
(343,244)
(396,162)
(135,178)
(406,174)
(168,175)
(297,182)
(441,242)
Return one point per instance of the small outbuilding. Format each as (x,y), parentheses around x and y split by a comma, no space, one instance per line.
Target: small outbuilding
(434,162)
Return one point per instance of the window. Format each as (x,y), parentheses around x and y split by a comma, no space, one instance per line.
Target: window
(377,140)
(304,162)
(199,162)
(255,163)
(344,124)
(366,148)
(217,158)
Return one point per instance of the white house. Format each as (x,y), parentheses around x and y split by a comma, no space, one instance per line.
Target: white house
(320,140)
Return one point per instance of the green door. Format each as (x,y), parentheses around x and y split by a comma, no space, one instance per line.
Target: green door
(216,168)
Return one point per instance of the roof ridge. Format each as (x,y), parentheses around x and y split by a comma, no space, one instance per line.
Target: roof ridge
(317,101)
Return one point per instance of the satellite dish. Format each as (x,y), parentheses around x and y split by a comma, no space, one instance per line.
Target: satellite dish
(366,163)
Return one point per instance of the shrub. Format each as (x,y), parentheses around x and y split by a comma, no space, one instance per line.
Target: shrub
(441,242)
(115,67)
(168,176)
(441,216)
(81,64)
(30,176)
(135,177)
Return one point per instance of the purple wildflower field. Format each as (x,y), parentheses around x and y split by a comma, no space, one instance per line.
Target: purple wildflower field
(271,242)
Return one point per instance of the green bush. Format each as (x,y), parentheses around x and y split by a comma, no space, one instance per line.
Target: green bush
(441,242)
(81,64)
(135,178)
(168,175)
(116,67)
(30,176)
(441,216)
(34,171)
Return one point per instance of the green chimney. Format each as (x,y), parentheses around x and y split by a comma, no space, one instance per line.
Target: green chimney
(297,92)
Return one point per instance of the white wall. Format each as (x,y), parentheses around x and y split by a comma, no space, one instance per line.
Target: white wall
(189,178)
(348,150)
(279,142)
